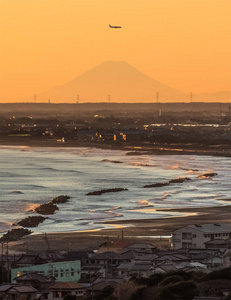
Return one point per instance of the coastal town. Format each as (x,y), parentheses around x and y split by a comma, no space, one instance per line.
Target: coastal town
(194,264)
(203,129)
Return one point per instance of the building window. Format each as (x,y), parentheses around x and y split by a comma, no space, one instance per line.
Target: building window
(56,273)
(72,272)
(186,245)
(186,236)
(194,235)
(59,294)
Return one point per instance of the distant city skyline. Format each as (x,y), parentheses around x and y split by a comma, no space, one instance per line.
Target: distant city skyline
(185,44)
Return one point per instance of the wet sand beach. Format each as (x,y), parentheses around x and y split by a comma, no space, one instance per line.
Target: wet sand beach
(155,231)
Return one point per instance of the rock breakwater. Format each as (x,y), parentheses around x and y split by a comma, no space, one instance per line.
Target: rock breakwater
(100,192)
(160,184)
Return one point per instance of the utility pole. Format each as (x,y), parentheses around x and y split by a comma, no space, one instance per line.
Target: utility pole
(35,97)
(2,261)
(157,97)
(47,242)
(77,99)
(191,97)
(8,271)
(109,98)
(229,113)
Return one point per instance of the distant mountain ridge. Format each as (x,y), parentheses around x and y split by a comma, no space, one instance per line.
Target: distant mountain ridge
(115,81)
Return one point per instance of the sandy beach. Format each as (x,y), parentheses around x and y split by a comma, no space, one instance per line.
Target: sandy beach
(155,231)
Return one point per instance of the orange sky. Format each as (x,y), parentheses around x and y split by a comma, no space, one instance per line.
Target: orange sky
(185,44)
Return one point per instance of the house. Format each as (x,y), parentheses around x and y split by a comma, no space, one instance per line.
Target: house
(62,289)
(38,281)
(92,272)
(61,271)
(207,298)
(142,247)
(115,246)
(98,287)
(165,267)
(141,269)
(196,236)
(17,292)
(78,255)
(176,258)
(227,259)
(107,259)
(218,243)
(26,260)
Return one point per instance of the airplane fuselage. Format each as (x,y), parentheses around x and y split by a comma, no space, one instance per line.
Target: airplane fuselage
(115,27)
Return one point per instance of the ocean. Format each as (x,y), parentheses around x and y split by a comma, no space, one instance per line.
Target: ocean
(33,176)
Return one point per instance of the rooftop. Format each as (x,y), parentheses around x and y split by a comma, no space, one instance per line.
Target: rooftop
(211,228)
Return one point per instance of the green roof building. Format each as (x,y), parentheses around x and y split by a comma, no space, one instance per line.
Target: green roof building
(61,271)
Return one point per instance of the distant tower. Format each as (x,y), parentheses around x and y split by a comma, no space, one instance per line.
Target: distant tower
(191,97)
(77,99)
(157,97)
(35,96)
(109,98)
(49,101)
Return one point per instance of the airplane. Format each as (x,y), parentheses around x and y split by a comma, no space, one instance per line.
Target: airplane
(114,26)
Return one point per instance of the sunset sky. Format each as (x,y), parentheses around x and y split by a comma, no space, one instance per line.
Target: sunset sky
(185,44)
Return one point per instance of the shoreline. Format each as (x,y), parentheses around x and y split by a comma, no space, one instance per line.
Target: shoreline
(147,149)
(135,231)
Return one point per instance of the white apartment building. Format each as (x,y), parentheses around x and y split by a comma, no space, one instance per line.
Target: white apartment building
(195,236)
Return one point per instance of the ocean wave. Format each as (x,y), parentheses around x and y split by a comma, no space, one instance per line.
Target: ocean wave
(175,167)
(141,164)
(112,161)
(176,192)
(141,202)
(165,196)
(16,192)
(143,206)
(49,169)
(116,207)
(223,199)
(192,171)
(108,215)
(34,186)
